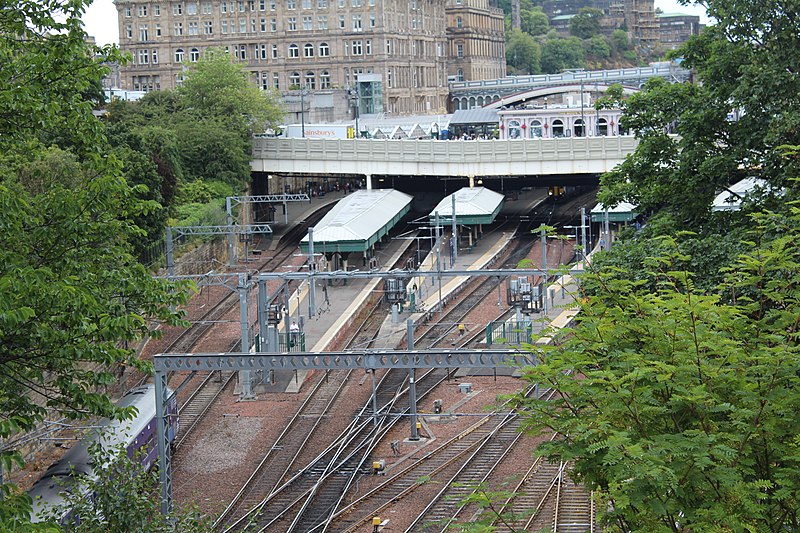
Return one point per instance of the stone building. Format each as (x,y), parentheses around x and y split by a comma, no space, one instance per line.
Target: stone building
(675,29)
(377,55)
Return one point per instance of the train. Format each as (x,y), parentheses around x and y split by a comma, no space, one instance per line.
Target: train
(137,434)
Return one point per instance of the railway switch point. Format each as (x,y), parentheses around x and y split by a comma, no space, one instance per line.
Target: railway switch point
(378,467)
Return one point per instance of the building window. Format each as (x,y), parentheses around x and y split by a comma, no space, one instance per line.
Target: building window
(324,50)
(262,6)
(158,30)
(325,80)
(460,50)
(357,23)
(224,26)
(273,5)
(341,22)
(291,4)
(414,23)
(242,25)
(460,74)
(322,4)
(322,22)
(311,82)
(193,28)
(179,55)
(294,51)
(157,10)
(129,31)
(308,23)
(341,4)
(368,47)
(191,8)
(459,22)
(389,77)
(262,53)
(294,80)
(154,56)
(177,29)
(372,20)
(291,23)
(558,128)
(536,129)
(143,32)
(243,52)
(253,25)
(206,8)
(308,50)
(357,48)
(143,57)
(274,51)
(355,3)
(306,4)
(223,7)
(177,9)
(273,25)
(371,2)
(143,10)
(208,27)
(194,55)
(127,11)
(276,80)
(265,80)
(263,25)
(241,6)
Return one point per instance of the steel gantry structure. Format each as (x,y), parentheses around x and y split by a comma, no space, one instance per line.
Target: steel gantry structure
(368,360)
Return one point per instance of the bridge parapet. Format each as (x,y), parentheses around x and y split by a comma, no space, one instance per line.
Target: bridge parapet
(426,157)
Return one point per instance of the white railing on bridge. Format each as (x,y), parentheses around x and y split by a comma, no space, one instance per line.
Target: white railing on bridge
(426,157)
(672,72)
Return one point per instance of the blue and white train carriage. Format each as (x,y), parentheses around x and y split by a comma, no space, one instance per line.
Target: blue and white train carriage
(136,434)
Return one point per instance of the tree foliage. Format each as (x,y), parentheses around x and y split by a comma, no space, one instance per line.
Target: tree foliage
(586,23)
(523,54)
(73,295)
(559,54)
(673,403)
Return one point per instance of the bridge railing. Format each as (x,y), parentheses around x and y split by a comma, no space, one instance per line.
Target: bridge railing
(436,151)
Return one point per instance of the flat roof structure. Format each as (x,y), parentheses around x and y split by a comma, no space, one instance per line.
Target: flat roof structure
(358,221)
(731,198)
(476,205)
(622,212)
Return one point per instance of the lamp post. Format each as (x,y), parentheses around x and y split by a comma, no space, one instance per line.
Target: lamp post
(354,97)
(303,111)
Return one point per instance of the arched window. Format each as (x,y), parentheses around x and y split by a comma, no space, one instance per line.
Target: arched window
(294,50)
(514,131)
(311,80)
(308,50)
(459,22)
(179,55)
(536,129)
(194,55)
(325,80)
(578,128)
(558,128)
(460,74)
(324,50)
(472,102)
(294,80)
(602,126)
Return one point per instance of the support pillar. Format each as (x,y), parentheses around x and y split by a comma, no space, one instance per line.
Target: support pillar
(374,399)
(369,182)
(472,182)
(412,383)
(246,392)
(455,231)
(162,436)
(312,267)
(231,243)
(262,313)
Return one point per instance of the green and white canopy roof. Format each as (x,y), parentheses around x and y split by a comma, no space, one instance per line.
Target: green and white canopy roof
(358,221)
(476,205)
(622,212)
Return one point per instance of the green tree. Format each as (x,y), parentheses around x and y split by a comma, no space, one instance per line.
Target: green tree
(673,405)
(586,24)
(216,87)
(559,54)
(73,294)
(598,47)
(534,21)
(619,41)
(523,54)
(123,500)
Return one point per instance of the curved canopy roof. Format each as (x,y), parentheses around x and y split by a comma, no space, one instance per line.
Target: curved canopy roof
(359,220)
(476,205)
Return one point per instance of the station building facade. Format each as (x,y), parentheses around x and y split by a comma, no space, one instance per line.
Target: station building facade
(404,49)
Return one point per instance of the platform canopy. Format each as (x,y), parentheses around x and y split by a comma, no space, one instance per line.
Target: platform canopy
(476,205)
(731,198)
(358,221)
(622,212)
